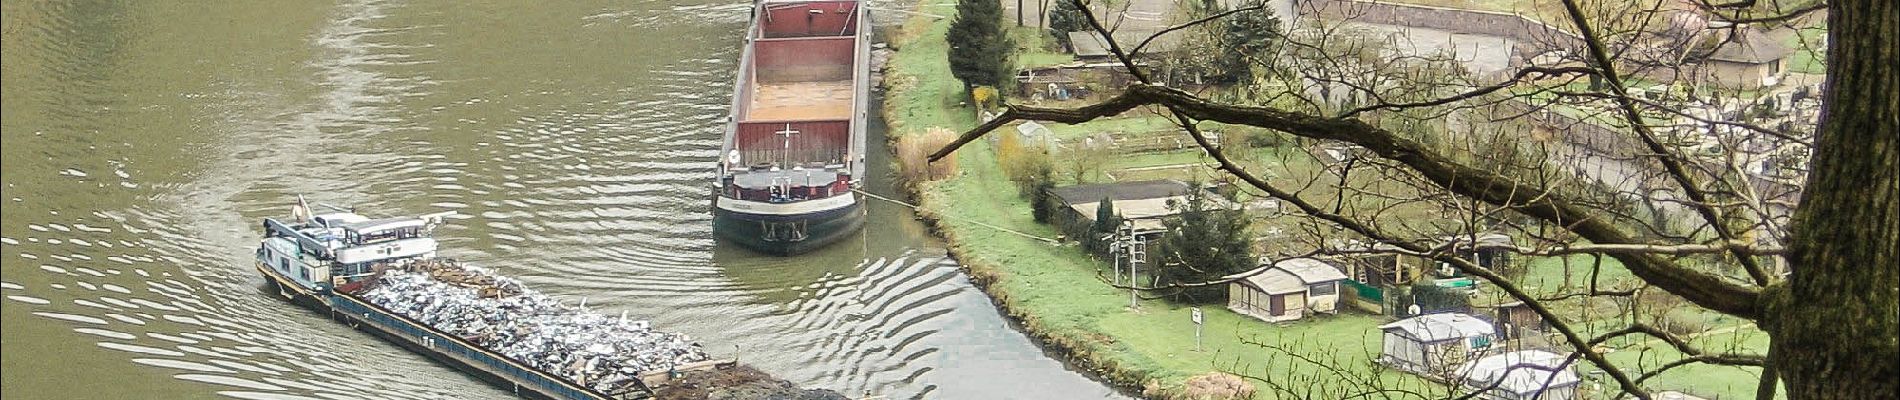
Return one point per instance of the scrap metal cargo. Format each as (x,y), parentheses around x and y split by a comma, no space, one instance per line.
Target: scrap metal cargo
(382,276)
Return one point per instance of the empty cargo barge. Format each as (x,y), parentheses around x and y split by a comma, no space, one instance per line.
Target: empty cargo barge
(794,143)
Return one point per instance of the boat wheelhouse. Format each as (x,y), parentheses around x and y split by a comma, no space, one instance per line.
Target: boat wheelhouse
(794,143)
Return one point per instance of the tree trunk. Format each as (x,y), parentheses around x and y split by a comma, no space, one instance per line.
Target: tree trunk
(1834,320)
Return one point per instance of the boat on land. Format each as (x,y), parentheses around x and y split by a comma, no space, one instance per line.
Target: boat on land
(382,276)
(793,154)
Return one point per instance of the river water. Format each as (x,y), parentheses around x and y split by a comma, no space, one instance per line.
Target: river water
(144,140)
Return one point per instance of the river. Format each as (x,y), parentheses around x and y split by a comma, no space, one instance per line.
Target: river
(145,140)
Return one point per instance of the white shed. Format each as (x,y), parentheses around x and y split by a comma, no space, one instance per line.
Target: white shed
(1434,343)
(1520,375)
(1287,290)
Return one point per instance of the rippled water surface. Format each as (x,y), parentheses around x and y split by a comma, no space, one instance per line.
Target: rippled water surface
(144,140)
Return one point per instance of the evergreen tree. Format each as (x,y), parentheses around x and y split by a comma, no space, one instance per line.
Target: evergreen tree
(1204,242)
(1040,198)
(1239,41)
(1106,221)
(979,48)
(1064,17)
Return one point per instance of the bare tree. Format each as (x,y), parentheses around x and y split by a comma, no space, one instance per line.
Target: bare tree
(1783,219)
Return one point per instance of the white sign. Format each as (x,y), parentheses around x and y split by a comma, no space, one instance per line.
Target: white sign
(1197,314)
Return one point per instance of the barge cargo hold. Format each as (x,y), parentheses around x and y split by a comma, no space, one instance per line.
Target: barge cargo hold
(794,144)
(382,277)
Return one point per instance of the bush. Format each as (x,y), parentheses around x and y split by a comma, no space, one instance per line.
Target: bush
(1026,164)
(1431,298)
(985,97)
(913,152)
(1040,198)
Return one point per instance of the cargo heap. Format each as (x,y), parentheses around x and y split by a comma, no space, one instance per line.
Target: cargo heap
(382,276)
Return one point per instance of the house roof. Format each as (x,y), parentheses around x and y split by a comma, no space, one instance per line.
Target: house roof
(1430,328)
(1310,270)
(1750,47)
(1118,191)
(1145,213)
(1293,275)
(1276,281)
(1090,44)
(1520,372)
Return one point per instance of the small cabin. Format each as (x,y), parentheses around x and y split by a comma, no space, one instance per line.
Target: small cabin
(1142,204)
(1433,344)
(1287,290)
(1520,375)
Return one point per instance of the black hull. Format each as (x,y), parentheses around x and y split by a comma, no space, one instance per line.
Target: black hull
(819,229)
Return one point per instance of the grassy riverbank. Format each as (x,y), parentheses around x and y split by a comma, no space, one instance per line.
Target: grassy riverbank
(1058,294)
(1055,290)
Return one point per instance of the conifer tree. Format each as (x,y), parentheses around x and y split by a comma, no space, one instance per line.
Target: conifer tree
(979,48)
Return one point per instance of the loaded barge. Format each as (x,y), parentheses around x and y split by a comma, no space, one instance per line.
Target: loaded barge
(381,276)
(794,144)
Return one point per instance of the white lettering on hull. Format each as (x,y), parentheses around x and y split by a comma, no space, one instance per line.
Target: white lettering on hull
(793,208)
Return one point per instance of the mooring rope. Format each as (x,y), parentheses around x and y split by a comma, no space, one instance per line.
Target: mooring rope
(980,223)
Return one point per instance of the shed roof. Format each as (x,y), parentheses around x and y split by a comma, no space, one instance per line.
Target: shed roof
(1430,328)
(1519,372)
(1310,270)
(1751,47)
(1118,191)
(1276,281)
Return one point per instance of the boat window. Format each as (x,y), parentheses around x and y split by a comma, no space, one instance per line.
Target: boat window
(392,234)
(283,264)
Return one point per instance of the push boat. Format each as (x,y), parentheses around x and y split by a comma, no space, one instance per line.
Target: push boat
(348,266)
(793,152)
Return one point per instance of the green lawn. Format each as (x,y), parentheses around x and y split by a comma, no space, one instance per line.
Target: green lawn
(1140,123)
(1035,48)
(1055,289)
(922,92)
(1810,55)
(1708,381)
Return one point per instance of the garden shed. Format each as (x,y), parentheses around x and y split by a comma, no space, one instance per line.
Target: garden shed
(1521,375)
(1287,290)
(1434,343)
(1144,203)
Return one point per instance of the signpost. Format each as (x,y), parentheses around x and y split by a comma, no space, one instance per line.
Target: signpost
(1197,328)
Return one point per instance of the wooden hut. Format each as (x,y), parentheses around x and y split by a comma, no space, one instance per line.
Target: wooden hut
(1287,290)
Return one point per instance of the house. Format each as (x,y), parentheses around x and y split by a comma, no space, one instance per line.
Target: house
(1491,251)
(1142,203)
(1516,320)
(1745,59)
(1372,271)
(1520,375)
(1287,290)
(1378,269)
(1432,344)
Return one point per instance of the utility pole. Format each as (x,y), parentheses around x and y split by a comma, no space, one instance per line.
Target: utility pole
(1137,253)
(1019,13)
